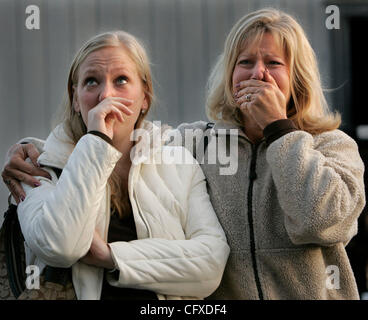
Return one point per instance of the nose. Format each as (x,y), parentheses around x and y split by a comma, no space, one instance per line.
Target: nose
(258,71)
(107,90)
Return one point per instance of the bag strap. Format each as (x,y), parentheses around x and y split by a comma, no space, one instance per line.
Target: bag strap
(14,251)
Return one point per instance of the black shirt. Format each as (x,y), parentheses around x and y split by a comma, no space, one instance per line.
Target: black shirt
(123,230)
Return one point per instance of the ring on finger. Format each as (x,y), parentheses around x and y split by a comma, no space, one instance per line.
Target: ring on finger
(7,182)
(247,97)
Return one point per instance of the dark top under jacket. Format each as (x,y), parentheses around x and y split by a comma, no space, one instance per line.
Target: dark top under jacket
(123,230)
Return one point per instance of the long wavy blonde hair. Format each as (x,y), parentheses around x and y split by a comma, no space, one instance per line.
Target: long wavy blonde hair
(307,106)
(73,123)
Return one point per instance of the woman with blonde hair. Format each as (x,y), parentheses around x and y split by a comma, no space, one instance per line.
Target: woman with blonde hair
(129,227)
(293,203)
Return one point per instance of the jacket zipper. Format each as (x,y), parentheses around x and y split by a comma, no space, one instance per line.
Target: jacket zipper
(140,212)
(252,177)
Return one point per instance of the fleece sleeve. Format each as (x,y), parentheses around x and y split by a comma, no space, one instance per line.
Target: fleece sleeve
(320,186)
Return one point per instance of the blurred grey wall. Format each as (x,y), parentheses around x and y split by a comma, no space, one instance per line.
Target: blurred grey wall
(183,38)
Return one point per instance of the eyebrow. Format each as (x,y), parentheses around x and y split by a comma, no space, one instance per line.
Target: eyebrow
(265,55)
(96,69)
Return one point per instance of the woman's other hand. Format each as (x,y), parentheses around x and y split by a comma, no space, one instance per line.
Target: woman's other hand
(17,170)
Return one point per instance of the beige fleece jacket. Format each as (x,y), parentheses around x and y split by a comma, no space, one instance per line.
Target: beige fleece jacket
(305,200)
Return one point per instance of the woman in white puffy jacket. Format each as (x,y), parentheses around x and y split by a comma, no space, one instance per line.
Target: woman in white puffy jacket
(130,225)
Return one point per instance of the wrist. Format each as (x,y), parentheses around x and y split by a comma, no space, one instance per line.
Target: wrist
(108,260)
(277,129)
(101,135)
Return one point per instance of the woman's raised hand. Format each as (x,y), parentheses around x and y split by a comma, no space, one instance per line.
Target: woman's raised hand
(103,117)
(262,101)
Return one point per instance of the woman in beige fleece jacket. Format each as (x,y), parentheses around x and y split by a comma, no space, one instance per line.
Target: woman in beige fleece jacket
(293,202)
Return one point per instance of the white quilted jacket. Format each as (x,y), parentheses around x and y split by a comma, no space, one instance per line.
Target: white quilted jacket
(182,249)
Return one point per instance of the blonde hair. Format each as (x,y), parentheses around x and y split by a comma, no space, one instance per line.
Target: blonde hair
(307,106)
(73,123)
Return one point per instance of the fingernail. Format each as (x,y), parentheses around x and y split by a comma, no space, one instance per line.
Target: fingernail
(22,198)
(37,184)
(237,85)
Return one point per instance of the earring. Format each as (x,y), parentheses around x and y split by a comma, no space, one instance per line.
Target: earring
(143,111)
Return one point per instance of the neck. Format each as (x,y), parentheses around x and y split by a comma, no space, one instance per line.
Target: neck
(124,145)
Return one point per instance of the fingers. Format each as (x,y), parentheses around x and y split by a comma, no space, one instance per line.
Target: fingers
(17,170)
(122,108)
(119,102)
(245,107)
(15,189)
(268,79)
(114,113)
(20,176)
(19,164)
(111,105)
(126,101)
(249,83)
(246,94)
(13,178)
(31,152)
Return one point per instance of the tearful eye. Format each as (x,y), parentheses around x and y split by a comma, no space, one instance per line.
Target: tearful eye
(90,81)
(244,61)
(121,80)
(274,62)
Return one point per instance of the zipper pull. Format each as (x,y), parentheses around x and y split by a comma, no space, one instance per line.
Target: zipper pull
(253,175)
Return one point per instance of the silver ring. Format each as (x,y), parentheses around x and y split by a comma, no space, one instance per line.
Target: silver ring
(247,97)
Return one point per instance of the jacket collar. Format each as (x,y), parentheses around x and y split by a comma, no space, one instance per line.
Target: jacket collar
(57,149)
(225,128)
(222,128)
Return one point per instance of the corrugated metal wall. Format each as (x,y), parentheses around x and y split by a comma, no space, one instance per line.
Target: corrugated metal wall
(183,38)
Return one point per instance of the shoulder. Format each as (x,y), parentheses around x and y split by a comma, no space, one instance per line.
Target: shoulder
(38,143)
(193,125)
(189,135)
(178,160)
(176,155)
(334,138)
